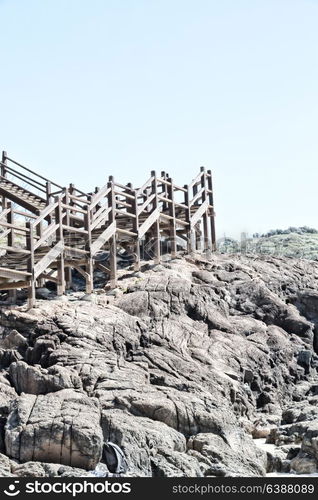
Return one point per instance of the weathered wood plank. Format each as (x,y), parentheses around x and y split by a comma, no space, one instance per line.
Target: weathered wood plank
(14,249)
(149,222)
(47,233)
(144,205)
(103,238)
(198,214)
(44,263)
(6,272)
(13,285)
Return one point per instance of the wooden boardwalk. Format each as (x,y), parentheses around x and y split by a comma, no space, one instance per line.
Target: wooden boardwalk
(47,229)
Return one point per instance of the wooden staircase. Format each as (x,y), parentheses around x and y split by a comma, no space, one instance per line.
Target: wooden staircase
(57,232)
(21,196)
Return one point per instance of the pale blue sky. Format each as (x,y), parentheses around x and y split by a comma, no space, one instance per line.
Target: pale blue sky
(90,88)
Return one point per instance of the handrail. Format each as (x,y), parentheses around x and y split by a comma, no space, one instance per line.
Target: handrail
(126,214)
(126,195)
(123,204)
(18,186)
(179,221)
(197,196)
(102,217)
(181,205)
(148,183)
(24,178)
(16,250)
(32,172)
(147,202)
(104,191)
(79,191)
(57,192)
(13,226)
(44,213)
(72,208)
(5,212)
(196,179)
(116,184)
(24,214)
(77,198)
(47,233)
(5,233)
(179,188)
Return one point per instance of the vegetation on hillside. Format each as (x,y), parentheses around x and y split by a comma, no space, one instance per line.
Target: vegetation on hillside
(298,242)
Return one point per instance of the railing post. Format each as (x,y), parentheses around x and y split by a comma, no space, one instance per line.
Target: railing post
(195,192)
(211,210)
(10,220)
(98,206)
(196,228)
(68,193)
(206,243)
(135,226)
(4,163)
(67,201)
(164,191)
(60,237)
(39,226)
(4,174)
(156,225)
(190,233)
(39,231)
(89,260)
(48,188)
(113,242)
(30,264)
(68,222)
(172,223)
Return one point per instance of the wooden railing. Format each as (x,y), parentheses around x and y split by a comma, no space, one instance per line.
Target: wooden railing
(75,226)
(34,181)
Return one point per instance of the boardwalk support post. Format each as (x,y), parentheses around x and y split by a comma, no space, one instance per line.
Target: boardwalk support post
(212,214)
(30,263)
(112,245)
(60,238)
(89,260)
(156,225)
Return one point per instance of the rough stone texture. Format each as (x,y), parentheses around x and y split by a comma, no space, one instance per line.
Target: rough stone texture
(61,427)
(5,466)
(303,464)
(181,368)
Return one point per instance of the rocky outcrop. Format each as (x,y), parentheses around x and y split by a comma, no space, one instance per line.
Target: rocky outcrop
(182,366)
(38,380)
(61,427)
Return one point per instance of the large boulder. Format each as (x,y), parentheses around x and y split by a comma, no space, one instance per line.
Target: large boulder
(151,448)
(62,427)
(231,455)
(5,466)
(310,440)
(38,380)
(7,396)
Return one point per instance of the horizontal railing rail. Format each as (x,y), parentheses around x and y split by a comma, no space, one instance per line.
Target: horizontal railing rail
(32,172)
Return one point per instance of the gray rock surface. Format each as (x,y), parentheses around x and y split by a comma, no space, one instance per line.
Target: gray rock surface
(61,427)
(182,368)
